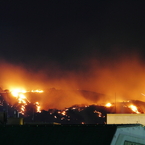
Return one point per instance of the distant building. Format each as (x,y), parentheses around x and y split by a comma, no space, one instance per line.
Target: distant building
(126,119)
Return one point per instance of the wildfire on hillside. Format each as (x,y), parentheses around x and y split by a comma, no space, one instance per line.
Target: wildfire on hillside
(23,99)
(81,88)
(78,113)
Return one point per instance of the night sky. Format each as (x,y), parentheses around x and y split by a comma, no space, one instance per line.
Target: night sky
(67,32)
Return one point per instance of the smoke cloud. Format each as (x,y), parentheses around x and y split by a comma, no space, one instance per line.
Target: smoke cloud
(101,79)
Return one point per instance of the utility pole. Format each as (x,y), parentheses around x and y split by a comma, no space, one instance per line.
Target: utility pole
(115,102)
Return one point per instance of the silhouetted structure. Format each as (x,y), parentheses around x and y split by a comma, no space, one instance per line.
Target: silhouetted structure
(73,134)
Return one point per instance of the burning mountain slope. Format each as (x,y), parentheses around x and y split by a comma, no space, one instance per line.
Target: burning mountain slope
(91,114)
(124,76)
(73,114)
(120,79)
(63,98)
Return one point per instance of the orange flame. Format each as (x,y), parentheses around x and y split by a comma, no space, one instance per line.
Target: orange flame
(38,107)
(108,105)
(37,91)
(99,113)
(22,99)
(63,113)
(134,109)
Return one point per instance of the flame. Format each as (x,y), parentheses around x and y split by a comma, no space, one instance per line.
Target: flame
(37,91)
(99,113)
(19,94)
(108,105)
(38,107)
(134,109)
(63,113)
(22,99)
(16,92)
(74,108)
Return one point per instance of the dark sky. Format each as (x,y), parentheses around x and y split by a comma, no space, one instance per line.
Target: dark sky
(68,32)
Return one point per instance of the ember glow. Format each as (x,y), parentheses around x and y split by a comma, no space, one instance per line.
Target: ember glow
(99,113)
(63,113)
